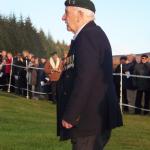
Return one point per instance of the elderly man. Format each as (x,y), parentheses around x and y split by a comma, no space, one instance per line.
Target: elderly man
(87,103)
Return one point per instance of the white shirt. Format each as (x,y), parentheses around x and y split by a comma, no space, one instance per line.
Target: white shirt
(76,34)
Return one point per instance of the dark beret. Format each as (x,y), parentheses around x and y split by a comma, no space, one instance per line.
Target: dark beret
(88,4)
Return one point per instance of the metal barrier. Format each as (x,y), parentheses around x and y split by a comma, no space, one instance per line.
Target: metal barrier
(115,74)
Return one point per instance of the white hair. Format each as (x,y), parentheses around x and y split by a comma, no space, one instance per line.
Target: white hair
(88,13)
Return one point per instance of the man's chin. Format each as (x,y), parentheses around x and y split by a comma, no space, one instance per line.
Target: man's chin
(68,29)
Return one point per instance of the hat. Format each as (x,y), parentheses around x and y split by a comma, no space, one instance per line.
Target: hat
(88,4)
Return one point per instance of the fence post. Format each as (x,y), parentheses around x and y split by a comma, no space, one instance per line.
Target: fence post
(121,88)
(27,76)
(10,77)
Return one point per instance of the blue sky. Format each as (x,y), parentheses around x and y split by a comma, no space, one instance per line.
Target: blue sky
(126,22)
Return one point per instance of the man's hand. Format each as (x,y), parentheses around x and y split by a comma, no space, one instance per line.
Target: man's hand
(66,124)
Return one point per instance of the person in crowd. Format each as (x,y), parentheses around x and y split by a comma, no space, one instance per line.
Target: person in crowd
(14,71)
(3,60)
(64,58)
(0,56)
(129,68)
(41,78)
(29,55)
(8,68)
(26,57)
(17,67)
(32,76)
(53,70)
(1,74)
(26,60)
(142,84)
(87,104)
(123,62)
(22,80)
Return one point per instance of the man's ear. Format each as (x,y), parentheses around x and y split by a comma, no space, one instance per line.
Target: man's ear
(80,16)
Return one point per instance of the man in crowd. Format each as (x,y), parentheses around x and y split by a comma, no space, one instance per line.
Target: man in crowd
(123,62)
(53,70)
(142,84)
(3,59)
(129,68)
(87,105)
(41,78)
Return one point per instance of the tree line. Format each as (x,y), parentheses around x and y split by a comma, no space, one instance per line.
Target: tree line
(20,34)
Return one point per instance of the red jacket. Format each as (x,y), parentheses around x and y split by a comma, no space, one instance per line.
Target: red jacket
(8,66)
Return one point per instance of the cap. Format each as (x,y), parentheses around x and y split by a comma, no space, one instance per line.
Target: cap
(88,4)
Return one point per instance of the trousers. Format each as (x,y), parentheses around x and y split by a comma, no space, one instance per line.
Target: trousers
(93,142)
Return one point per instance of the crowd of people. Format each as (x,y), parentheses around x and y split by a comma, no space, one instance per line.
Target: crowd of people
(135,82)
(31,76)
(37,78)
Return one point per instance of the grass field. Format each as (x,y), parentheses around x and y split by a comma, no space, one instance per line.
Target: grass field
(31,125)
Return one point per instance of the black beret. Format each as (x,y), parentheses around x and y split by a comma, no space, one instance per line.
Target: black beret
(88,4)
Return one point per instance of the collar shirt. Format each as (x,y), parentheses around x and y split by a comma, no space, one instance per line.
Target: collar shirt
(76,34)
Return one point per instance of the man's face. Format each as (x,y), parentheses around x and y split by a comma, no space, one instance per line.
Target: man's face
(123,61)
(144,59)
(32,59)
(43,60)
(9,56)
(131,58)
(55,57)
(4,53)
(71,18)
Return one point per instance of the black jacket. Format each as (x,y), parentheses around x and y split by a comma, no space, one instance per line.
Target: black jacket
(87,97)
(142,69)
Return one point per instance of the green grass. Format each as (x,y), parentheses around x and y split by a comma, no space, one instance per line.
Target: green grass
(31,125)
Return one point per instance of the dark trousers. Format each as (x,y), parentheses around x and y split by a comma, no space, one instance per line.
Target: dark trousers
(124,97)
(53,90)
(138,101)
(3,82)
(94,142)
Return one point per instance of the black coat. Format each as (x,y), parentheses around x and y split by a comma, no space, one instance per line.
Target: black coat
(142,69)
(130,68)
(87,96)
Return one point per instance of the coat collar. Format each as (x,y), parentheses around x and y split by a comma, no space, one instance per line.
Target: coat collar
(88,25)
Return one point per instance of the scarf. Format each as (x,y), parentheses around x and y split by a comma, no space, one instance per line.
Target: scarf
(53,64)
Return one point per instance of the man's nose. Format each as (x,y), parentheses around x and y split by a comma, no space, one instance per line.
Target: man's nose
(64,17)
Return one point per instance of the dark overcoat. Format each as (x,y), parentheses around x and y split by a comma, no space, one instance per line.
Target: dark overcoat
(86,94)
(142,69)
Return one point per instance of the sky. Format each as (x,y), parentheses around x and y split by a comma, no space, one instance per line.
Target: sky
(126,22)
